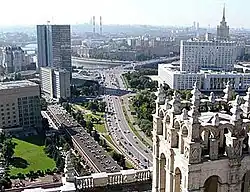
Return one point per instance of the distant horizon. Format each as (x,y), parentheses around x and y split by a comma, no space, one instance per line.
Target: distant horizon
(138,25)
(181,13)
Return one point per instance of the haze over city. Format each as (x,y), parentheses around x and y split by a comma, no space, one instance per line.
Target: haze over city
(146,12)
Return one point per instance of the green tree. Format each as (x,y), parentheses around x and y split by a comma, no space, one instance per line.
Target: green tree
(89,126)
(8,150)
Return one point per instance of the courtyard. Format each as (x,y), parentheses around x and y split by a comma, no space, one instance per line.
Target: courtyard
(30,156)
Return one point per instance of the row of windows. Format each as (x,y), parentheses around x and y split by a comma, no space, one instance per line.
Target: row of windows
(7,105)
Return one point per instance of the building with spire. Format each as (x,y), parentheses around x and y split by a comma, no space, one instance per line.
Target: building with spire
(210,63)
(223,29)
(199,147)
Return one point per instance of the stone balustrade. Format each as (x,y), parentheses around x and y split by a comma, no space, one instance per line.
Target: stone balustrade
(118,178)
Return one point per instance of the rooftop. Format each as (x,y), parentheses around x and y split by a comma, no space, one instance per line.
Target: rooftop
(16,84)
(88,145)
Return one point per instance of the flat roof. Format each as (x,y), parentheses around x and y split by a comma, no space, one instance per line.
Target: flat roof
(16,84)
(87,144)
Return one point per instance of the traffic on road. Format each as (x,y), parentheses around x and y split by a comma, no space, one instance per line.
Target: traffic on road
(118,126)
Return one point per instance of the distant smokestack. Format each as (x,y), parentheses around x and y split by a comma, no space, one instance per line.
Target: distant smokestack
(93,24)
(100,25)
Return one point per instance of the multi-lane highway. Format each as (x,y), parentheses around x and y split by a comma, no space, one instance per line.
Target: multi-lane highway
(118,126)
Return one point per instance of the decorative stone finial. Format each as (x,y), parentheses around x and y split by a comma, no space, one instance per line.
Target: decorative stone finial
(194,114)
(228,92)
(161,95)
(196,95)
(176,103)
(184,115)
(246,105)
(236,110)
(216,120)
(248,90)
(212,97)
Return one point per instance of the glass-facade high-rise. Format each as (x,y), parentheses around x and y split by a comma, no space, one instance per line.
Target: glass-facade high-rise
(54,46)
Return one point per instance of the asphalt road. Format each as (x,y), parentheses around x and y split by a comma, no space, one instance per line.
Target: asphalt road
(118,126)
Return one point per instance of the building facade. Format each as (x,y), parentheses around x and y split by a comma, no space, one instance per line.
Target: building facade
(207,80)
(214,55)
(201,149)
(13,59)
(210,64)
(54,46)
(55,82)
(20,108)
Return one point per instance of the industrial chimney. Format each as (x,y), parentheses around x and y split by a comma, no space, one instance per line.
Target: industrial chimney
(93,24)
(100,25)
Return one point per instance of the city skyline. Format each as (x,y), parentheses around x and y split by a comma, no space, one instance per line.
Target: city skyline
(147,12)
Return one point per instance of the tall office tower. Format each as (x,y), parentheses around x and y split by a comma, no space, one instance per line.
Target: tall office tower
(223,29)
(54,46)
(214,55)
(20,106)
(55,82)
(13,59)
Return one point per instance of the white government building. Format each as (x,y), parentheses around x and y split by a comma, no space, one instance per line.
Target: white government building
(210,63)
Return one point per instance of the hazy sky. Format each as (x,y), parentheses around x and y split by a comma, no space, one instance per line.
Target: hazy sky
(152,12)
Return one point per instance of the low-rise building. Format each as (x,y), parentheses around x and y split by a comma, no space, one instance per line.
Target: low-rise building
(20,108)
(207,80)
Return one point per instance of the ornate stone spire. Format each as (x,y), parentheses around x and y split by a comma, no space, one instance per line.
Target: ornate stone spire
(246,105)
(184,115)
(196,95)
(176,103)
(228,92)
(211,98)
(236,110)
(161,95)
(216,120)
(224,14)
(195,113)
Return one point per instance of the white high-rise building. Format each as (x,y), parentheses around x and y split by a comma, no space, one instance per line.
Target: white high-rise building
(211,64)
(61,84)
(213,55)
(55,82)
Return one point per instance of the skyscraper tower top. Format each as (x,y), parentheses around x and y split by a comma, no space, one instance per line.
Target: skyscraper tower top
(223,17)
(223,29)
